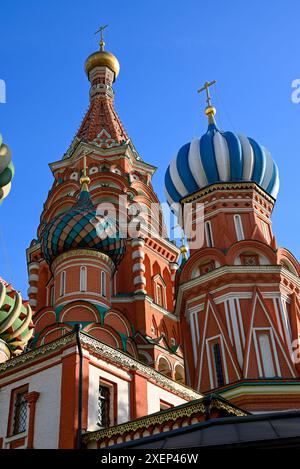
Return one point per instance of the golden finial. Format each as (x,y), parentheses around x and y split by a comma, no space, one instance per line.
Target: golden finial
(183,247)
(100,30)
(210,110)
(84,180)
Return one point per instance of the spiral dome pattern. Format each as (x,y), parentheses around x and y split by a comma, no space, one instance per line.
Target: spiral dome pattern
(220,157)
(7,170)
(82,227)
(16,326)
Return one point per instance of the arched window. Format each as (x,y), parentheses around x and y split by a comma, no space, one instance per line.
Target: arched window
(83,278)
(179,374)
(218,364)
(103,283)
(159,294)
(160,291)
(208,234)
(164,366)
(238,228)
(63,283)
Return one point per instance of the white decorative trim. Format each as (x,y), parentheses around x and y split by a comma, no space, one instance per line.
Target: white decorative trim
(236,269)
(139,279)
(32,290)
(138,254)
(138,266)
(139,242)
(33,265)
(33,277)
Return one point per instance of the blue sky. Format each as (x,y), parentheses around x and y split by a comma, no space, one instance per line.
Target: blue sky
(167,49)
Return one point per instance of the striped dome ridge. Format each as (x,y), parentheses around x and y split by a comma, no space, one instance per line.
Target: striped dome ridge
(220,156)
(82,227)
(7,170)
(16,325)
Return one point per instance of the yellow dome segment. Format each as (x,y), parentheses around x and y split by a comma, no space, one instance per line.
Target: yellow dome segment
(102,58)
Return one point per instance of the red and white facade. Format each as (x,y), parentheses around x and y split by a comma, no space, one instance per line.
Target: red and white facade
(154,336)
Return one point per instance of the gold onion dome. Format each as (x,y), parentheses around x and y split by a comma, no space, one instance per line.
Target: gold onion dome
(102,58)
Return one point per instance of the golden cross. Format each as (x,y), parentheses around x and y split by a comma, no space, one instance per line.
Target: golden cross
(205,87)
(84,166)
(100,30)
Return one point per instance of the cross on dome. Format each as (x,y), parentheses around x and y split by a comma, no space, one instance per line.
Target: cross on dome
(210,111)
(100,30)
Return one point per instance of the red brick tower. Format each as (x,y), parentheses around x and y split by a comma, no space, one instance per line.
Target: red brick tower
(121,290)
(238,293)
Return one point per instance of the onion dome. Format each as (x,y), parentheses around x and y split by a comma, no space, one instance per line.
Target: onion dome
(102,58)
(6,170)
(82,227)
(219,156)
(16,326)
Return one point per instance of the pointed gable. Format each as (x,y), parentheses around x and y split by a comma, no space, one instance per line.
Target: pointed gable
(212,330)
(264,350)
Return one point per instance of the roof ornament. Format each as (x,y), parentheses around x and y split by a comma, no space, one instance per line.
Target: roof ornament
(183,247)
(210,110)
(100,30)
(84,180)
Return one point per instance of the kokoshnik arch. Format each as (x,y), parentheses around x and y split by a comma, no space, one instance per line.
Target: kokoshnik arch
(159,328)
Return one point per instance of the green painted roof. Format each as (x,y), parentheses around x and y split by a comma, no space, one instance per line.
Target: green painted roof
(16,326)
(7,170)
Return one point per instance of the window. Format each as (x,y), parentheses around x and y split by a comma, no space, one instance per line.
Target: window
(83,278)
(104,406)
(63,283)
(164,367)
(179,374)
(103,283)
(238,227)
(266,356)
(218,364)
(208,234)
(159,294)
(20,413)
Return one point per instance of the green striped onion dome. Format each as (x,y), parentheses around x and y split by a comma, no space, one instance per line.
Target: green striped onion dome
(82,227)
(16,326)
(7,170)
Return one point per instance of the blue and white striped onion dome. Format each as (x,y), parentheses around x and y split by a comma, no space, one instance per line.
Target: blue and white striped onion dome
(218,157)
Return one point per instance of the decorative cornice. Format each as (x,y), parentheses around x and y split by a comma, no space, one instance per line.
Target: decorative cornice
(43,350)
(235,269)
(225,186)
(183,411)
(106,352)
(129,362)
(82,252)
